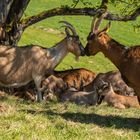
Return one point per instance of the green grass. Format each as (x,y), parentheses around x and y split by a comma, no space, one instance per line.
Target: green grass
(56,121)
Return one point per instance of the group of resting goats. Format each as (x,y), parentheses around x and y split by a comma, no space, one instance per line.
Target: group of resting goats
(32,68)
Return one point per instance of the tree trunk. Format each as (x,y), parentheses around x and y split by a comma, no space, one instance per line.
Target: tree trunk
(11,13)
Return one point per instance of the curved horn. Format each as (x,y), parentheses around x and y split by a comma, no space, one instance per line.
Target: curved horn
(97,24)
(70,26)
(93,24)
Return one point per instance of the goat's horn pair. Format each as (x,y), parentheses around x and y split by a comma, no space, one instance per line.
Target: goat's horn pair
(96,23)
(70,26)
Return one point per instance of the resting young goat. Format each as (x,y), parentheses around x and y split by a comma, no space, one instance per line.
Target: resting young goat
(78,97)
(56,86)
(76,78)
(105,92)
(20,65)
(127,60)
(113,77)
(53,86)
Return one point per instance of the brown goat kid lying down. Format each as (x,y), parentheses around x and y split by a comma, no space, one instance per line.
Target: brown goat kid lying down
(78,97)
(76,78)
(53,86)
(56,86)
(106,93)
(113,77)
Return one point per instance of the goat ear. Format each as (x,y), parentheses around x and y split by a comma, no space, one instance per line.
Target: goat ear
(106,29)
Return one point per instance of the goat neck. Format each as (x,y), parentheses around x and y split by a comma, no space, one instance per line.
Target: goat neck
(112,50)
(58,52)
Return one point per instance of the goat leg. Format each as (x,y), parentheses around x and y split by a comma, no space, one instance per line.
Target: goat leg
(37,80)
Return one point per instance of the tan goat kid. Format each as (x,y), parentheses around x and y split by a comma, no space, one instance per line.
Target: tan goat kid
(127,60)
(20,65)
(107,94)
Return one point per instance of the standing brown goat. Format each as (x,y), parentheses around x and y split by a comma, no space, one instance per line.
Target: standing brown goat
(20,65)
(127,60)
(106,93)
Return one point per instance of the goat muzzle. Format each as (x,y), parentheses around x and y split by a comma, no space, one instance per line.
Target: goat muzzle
(82,51)
(87,51)
(100,99)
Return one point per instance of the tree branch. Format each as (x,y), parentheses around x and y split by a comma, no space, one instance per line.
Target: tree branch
(76,11)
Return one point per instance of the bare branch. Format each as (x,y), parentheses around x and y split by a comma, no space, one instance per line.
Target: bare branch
(104,4)
(57,12)
(130,17)
(76,11)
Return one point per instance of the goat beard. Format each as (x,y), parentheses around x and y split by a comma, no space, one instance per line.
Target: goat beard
(77,58)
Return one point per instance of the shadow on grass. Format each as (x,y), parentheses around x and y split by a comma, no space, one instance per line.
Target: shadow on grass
(117,122)
(104,120)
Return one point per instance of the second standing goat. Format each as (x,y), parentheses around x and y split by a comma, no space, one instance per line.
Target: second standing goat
(127,60)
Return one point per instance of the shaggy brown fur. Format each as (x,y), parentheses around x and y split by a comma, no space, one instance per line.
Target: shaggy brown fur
(76,78)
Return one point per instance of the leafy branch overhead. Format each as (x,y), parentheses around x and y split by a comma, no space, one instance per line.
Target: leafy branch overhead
(11,11)
(77,11)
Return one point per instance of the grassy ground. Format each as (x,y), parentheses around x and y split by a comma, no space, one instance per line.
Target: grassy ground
(55,121)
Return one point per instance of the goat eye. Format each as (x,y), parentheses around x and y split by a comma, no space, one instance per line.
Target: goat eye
(105,88)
